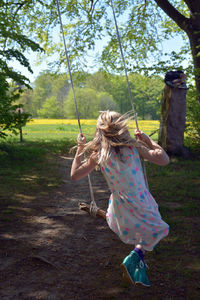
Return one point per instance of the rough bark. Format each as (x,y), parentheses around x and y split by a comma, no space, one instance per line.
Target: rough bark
(191,26)
(172,124)
(194,43)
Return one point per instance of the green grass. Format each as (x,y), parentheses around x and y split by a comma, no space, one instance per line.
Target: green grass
(178,182)
(50,132)
(27,169)
(30,169)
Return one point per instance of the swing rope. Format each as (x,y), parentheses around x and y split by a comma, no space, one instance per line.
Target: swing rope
(93,205)
(128,83)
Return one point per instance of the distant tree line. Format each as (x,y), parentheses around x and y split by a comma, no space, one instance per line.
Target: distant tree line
(84,24)
(52,97)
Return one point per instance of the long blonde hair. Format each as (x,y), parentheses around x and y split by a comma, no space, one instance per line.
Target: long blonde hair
(111,132)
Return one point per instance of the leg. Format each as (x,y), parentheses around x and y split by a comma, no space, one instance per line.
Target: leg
(140,251)
(139,247)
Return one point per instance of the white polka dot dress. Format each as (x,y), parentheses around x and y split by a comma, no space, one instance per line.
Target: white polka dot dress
(132,212)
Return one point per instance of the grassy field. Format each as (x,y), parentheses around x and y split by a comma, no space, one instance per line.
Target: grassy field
(53,129)
(31,168)
(52,137)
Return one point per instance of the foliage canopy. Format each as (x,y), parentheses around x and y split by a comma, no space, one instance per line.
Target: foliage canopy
(12,45)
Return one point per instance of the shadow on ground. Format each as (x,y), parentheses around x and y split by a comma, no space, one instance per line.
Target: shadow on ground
(53,251)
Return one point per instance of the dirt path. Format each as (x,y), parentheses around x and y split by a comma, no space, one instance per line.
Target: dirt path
(58,252)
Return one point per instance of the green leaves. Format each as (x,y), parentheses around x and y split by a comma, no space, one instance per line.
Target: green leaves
(52,96)
(50,109)
(13,44)
(10,120)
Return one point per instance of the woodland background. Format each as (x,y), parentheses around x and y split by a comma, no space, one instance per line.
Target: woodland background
(52,96)
(32,26)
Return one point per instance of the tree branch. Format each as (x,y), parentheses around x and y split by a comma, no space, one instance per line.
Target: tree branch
(93,6)
(173,13)
(19,7)
(193,5)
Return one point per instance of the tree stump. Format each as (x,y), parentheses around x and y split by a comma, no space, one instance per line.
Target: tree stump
(172,123)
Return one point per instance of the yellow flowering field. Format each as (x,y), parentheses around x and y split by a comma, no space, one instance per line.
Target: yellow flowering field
(57,129)
(60,121)
(143,124)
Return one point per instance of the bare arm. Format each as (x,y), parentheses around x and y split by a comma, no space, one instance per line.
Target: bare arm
(155,154)
(81,169)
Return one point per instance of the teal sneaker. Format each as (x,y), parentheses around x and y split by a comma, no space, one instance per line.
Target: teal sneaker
(135,269)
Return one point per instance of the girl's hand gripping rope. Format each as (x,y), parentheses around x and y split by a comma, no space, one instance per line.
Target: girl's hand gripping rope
(81,140)
(81,168)
(155,153)
(141,136)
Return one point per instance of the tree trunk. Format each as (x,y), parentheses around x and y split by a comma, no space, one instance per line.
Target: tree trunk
(191,25)
(172,123)
(194,37)
(194,43)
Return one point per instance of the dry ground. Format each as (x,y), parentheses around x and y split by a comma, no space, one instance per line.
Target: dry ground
(53,251)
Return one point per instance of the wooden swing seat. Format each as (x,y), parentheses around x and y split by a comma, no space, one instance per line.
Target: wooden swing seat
(86,207)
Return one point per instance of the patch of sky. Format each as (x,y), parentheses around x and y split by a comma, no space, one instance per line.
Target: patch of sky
(42,64)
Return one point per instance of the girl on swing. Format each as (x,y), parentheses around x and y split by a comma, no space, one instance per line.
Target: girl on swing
(132,211)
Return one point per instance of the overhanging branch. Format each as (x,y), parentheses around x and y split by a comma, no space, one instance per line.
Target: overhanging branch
(173,13)
(193,5)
